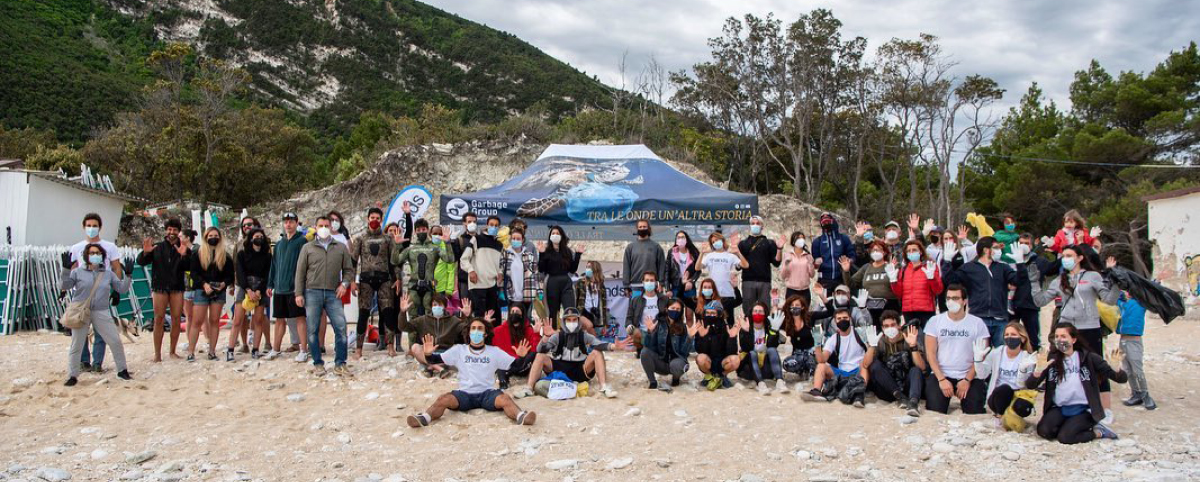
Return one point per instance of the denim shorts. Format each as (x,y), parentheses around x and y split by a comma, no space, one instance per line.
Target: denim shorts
(202,299)
(470,401)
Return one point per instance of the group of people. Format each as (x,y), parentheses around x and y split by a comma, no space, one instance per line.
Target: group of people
(914,315)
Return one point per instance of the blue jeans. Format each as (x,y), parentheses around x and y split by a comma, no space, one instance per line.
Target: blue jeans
(996,330)
(98,348)
(327,300)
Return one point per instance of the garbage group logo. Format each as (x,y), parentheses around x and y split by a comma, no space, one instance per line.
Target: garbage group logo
(456,208)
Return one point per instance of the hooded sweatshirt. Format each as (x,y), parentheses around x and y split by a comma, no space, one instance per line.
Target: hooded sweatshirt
(1079,308)
(481,255)
(828,247)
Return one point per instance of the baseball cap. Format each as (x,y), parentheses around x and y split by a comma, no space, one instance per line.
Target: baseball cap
(826,218)
(842,288)
(892,224)
(290,215)
(569,312)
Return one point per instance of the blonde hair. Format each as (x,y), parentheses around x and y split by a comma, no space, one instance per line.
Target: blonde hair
(1026,345)
(209,254)
(1073,215)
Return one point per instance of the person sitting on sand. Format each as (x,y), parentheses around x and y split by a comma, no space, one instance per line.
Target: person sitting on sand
(716,346)
(477,363)
(667,341)
(574,352)
(447,330)
(839,374)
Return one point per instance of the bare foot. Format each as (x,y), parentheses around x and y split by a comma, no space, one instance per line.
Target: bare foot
(392,353)
(158,358)
(357,355)
(177,357)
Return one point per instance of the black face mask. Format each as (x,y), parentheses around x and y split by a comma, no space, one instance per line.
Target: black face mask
(644,233)
(1013,343)
(843,325)
(260,242)
(797,311)
(515,319)
(712,319)
(674,315)
(422,237)
(212,241)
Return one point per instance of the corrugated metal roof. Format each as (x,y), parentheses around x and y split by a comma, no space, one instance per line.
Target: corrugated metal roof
(55,177)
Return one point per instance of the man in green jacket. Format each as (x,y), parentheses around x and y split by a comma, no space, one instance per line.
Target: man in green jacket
(323,275)
(282,291)
(422,257)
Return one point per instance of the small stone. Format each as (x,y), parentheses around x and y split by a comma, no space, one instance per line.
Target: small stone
(663,463)
(52,474)
(134,474)
(296,397)
(633,412)
(1011,456)
(681,413)
(401,406)
(620,463)
(54,449)
(908,420)
(172,466)
(89,430)
(802,454)
(563,464)
(275,386)
(823,478)
(372,396)
(99,454)
(942,447)
(343,437)
(750,478)
(140,457)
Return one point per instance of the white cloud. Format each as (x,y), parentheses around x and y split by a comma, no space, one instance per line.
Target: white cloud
(1014,42)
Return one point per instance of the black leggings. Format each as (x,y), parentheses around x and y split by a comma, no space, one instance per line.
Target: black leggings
(1074,430)
(805,294)
(560,293)
(1029,318)
(1003,396)
(973,404)
(1094,339)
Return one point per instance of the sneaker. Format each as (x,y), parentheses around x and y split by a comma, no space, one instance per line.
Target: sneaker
(914,407)
(813,395)
(712,383)
(1106,432)
(901,400)
(212,356)
(342,371)
(1147,402)
(191,357)
(523,418)
(665,388)
(87,367)
(71,382)
(725,382)
(419,420)
(1109,417)
(762,389)
(124,375)
(858,403)
(1134,400)
(675,381)
(608,392)
(653,384)
(271,355)
(254,354)
(781,386)
(301,357)
(318,370)
(229,355)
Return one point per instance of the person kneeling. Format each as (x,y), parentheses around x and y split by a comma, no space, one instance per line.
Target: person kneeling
(1010,367)
(666,344)
(895,364)
(477,364)
(716,347)
(840,374)
(1071,412)
(574,352)
(446,329)
(951,339)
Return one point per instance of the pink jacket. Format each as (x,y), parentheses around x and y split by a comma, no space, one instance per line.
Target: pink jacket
(1062,240)
(797,271)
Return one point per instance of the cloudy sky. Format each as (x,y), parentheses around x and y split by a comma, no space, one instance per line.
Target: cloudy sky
(1015,42)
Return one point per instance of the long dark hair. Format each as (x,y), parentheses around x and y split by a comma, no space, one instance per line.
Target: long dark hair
(789,320)
(1056,356)
(552,250)
(689,246)
(247,246)
(1085,263)
(517,333)
(341,222)
(675,327)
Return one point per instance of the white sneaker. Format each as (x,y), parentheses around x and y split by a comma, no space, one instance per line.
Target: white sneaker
(302,357)
(762,389)
(781,386)
(1109,417)
(271,355)
(608,392)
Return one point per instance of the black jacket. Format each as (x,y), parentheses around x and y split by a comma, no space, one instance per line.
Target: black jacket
(1092,369)
(552,263)
(1023,298)
(256,265)
(717,342)
(637,305)
(987,288)
(167,267)
(746,338)
(211,275)
(677,278)
(760,252)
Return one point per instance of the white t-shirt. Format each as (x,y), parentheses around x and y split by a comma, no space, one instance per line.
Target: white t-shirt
(1009,369)
(477,370)
(650,311)
(1070,389)
(720,266)
(851,354)
(111,252)
(516,272)
(591,300)
(760,340)
(955,342)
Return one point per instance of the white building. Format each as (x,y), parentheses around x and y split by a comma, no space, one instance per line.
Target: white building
(43,208)
(1174,226)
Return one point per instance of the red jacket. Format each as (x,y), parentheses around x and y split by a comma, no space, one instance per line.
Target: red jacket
(1061,240)
(916,292)
(502,339)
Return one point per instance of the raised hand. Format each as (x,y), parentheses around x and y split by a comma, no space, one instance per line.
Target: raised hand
(427,345)
(914,221)
(406,302)
(580,248)
(1043,362)
(466,306)
(147,245)
(981,347)
(1018,253)
(649,323)
(1111,262)
(1115,357)
(893,274)
(522,348)
(541,246)
(872,336)
(406,207)
(776,320)
(490,317)
(66,260)
(623,344)
(925,230)
(963,231)
(694,327)
(701,328)
(910,335)
(861,227)
(183,247)
(845,263)
(862,297)
(744,324)
(1095,232)
(930,269)
(734,329)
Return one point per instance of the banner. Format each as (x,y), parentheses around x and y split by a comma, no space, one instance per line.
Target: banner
(417,197)
(618,306)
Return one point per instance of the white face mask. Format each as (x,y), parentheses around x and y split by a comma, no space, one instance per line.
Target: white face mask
(472,227)
(799,243)
(954,306)
(876,255)
(892,235)
(842,299)
(324,232)
(891,332)
(571,327)
(555,238)
(335,225)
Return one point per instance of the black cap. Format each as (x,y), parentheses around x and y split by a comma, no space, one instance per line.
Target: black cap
(290,215)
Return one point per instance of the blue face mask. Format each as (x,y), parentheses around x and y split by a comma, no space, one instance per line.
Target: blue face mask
(1068,263)
(95,259)
(438,311)
(868,236)
(755,229)
(476,337)
(914,257)
(516,243)
(587,273)
(706,292)
(718,245)
(1010,227)
(648,286)
(91,231)
(492,230)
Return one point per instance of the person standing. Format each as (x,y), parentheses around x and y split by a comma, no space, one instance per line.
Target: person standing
(642,255)
(481,261)
(92,282)
(761,254)
(241,326)
(91,229)
(916,284)
(798,268)
(827,249)
(987,281)
(557,261)
(372,252)
(591,297)
(421,257)
(519,269)
(253,268)
(1130,327)
(720,264)
(875,278)
(682,272)
(212,274)
(168,261)
(323,271)
(281,289)
(470,229)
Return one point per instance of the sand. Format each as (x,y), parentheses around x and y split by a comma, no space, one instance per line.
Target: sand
(242,421)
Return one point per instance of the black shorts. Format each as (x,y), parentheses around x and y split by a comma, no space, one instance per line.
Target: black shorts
(573,370)
(471,401)
(285,306)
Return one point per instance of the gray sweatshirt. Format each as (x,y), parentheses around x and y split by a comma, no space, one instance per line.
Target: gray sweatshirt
(641,256)
(577,353)
(81,280)
(1079,308)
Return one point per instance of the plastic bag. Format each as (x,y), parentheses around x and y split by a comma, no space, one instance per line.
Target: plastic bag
(1163,301)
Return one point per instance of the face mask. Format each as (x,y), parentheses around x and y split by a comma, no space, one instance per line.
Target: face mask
(373,225)
(674,315)
(212,241)
(645,233)
(492,230)
(914,257)
(422,237)
(438,311)
(876,255)
(707,292)
(324,232)
(954,306)
(516,244)
(758,317)
(868,236)
(712,319)
(797,311)
(826,227)
(948,245)
(1010,227)
(95,259)
(260,242)
(472,227)
(1062,345)
(718,245)
(1068,263)
(892,235)
(571,327)
(91,232)
(1013,343)
(755,229)
(681,242)
(799,244)
(587,273)
(891,332)
(648,286)
(476,337)
(842,299)
(843,324)
(555,238)
(335,225)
